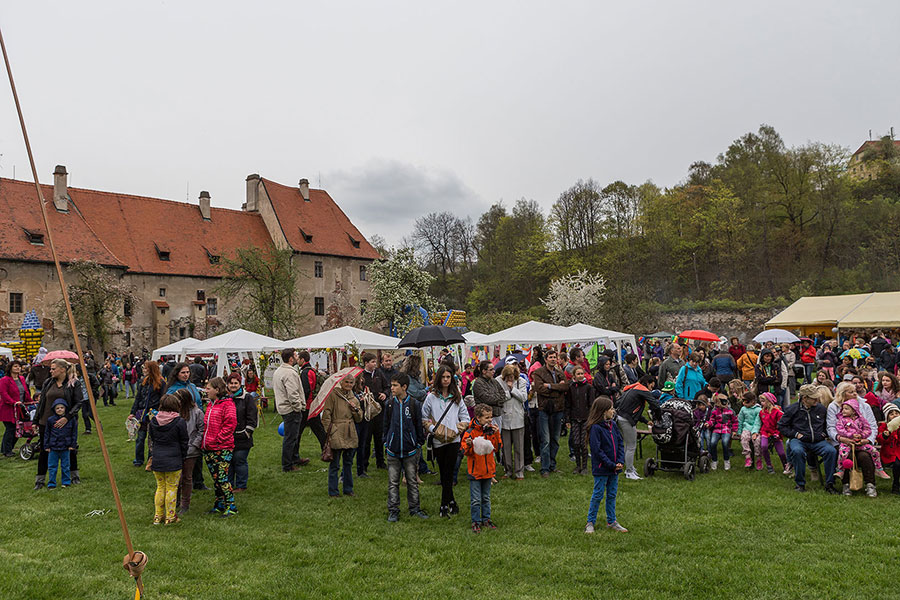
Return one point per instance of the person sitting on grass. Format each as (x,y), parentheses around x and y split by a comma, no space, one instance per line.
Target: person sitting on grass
(403,437)
(478,444)
(803,425)
(169,436)
(607,449)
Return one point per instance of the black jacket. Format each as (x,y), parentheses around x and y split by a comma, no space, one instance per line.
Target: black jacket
(578,400)
(170,444)
(247,420)
(630,405)
(772,381)
(605,382)
(198,373)
(146,399)
(878,345)
(73,395)
(375,383)
(808,422)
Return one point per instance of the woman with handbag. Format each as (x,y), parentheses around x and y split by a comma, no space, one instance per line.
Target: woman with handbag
(445,417)
(340,414)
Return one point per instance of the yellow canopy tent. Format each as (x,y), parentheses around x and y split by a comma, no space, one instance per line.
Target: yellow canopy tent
(853,311)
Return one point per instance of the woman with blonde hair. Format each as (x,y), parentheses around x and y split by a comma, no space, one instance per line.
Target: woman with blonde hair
(64,385)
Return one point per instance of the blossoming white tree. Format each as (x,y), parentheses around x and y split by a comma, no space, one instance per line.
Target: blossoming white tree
(398,284)
(576,298)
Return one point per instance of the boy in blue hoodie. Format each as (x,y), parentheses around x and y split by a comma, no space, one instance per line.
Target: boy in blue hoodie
(403,435)
(58,441)
(607,456)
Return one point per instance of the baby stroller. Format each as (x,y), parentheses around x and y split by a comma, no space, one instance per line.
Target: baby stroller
(677,441)
(27,429)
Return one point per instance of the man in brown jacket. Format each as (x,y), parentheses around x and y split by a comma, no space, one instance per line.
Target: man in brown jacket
(550,387)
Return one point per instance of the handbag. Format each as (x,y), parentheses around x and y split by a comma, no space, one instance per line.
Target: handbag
(327,454)
(372,407)
(856,476)
(443,434)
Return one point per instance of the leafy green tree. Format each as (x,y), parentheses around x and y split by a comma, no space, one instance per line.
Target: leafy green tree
(98,297)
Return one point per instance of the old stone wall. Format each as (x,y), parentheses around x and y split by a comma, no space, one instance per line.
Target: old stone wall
(741,323)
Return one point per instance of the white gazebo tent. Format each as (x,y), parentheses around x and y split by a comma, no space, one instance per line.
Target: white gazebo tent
(239,341)
(533,333)
(174,348)
(342,337)
(473,338)
(4,351)
(605,336)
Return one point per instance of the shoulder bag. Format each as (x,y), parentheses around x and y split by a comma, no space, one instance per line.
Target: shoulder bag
(443,433)
(371,408)
(856,476)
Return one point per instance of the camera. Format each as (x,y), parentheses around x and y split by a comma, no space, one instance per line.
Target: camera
(488,430)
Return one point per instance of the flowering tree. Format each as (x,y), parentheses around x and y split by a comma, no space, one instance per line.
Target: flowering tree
(97,296)
(576,298)
(398,283)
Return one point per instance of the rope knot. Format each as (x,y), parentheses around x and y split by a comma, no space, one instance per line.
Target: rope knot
(135,563)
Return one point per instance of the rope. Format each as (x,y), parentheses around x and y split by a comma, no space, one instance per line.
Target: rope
(135,563)
(65,296)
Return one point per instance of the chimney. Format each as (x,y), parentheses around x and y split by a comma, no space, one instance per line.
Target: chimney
(204,205)
(304,189)
(60,188)
(252,203)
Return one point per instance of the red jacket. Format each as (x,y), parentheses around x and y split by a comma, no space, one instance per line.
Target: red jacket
(9,395)
(808,356)
(220,422)
(480,466)
(770,422)
(890,444)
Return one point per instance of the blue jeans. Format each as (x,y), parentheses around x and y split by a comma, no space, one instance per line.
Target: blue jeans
(139,446)
(129,389)
(345,456)
(726,445)
(239,470)
(705,434)
(60,459)
(609,484)
(480,499)
(798,452)
(550,425)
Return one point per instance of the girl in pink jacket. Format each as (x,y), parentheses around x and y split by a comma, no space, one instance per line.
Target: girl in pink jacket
(768,433)
(723,423)
(850,424)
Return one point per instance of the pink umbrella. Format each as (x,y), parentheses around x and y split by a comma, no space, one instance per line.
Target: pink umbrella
(319,403)
(63,354)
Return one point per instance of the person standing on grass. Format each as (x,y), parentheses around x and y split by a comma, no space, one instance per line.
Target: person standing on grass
(607,449)
(169,436)
(723,424)
(247,420)
(310,380)
(146,400)
(550,386)
(180,379)
(768,433)
(340,414)
(219,424)
(445,401)
(690,380)
(478,444)
(747,365)
(370,432)
(579,399)
(804,426)
(60,441)
(193,418)
(62,384)
(749,425)
(403,436)
(13,389)
(290,404)
(512,416)
(668,370)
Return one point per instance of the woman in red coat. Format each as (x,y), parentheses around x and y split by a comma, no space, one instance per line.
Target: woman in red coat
(12,389)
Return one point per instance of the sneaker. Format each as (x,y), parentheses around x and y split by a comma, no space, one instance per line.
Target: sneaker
(787,471)
(714,465)
(829,489)
(420,514)
(38,485)
(75,479)
(228,513)
(487,523)
(444,512)
(616,527)
(770,470)
(215,509)
(173,520)
(537,460)
(393,517)
(65,485)
(882,474)
(870,490)
(476,527)
(589,528)
(454,507)
(303,462)
(157,520)
(632,475)
(180,512)
(847,491)
(545,474)
(88,432)
(748,462)
(726,464)
(799,488)
(362,475)
(529,468)
(200,488)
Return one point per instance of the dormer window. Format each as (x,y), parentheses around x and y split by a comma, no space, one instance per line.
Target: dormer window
(306,237)
(162,254)
(34,237)
(213,258)
(353,241)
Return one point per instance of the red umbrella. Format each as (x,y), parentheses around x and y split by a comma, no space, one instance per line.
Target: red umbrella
(319,402)
(63,354)
(699,334)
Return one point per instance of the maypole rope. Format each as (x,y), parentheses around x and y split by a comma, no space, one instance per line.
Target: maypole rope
(137,559)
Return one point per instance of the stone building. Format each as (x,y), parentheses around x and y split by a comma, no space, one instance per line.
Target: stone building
(169,252)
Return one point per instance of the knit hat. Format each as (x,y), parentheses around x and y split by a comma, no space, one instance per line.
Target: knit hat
(769,396)
(668,386)
(889,408)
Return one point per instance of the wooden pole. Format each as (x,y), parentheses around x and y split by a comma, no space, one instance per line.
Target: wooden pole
(65,296)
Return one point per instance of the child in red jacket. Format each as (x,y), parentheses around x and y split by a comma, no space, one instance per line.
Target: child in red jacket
(478,444)
(889,436)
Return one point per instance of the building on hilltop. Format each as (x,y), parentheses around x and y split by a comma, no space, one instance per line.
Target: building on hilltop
(169,252)
(861,164)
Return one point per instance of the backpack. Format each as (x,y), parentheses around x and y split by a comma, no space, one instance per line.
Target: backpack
(320,379)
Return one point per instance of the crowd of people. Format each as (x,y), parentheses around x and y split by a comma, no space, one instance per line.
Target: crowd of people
(814,404)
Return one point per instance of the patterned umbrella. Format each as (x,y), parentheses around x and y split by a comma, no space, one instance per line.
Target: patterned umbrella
(855,353)
(319,402)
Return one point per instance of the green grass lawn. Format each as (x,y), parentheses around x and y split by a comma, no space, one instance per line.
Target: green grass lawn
(725,535)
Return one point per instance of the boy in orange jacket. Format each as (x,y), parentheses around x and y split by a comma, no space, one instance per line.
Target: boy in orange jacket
(479,443)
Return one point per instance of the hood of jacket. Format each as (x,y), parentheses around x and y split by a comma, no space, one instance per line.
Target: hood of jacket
(635,386)
(64,403)
(854,404)
(164,417)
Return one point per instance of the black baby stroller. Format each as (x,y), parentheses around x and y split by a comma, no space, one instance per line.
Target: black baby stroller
(677,441)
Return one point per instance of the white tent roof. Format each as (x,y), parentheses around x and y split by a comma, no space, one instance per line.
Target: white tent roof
(474,338)
(534,332)
(4,351)
(599,334)
(239,340)
(174,347)
(340,337)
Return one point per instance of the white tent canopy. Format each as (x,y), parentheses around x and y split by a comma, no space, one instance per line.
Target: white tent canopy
(533,333)
(239,341)
(4,351)
(606,336)
(339,338)
(474,338)
(174,348)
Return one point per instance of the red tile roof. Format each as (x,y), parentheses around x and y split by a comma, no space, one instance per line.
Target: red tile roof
(73,237)
(159,303)
(868,143)
(321,218)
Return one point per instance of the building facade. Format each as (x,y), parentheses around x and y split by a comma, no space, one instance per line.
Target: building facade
(169,253)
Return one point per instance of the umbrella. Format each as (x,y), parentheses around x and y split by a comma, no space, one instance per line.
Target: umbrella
(779,336)
(319,402)
(661,334)
(699,334)
(855,353)
(63,354)
(431,335)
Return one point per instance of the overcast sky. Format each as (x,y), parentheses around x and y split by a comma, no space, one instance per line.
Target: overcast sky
(403,108)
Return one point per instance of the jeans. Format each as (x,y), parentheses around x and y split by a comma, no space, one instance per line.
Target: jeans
(58,459)
(808,369)
(705,434)
(44,456)
(609,484)
(798,451)
(409,466)
(290,445)
(129,389)
(345,456)
(726,445)
(480,498)
(139,445)
(446,457)
(534,420)
(9,438)
(629,438)
(239,470)
(550,425)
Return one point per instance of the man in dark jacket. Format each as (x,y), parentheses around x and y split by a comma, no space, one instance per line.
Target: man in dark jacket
(803,427)
(55,387)
(630,410)
(550,387)
(403,436)
(198,372)
(371,431)
(309,379)
(877,345)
